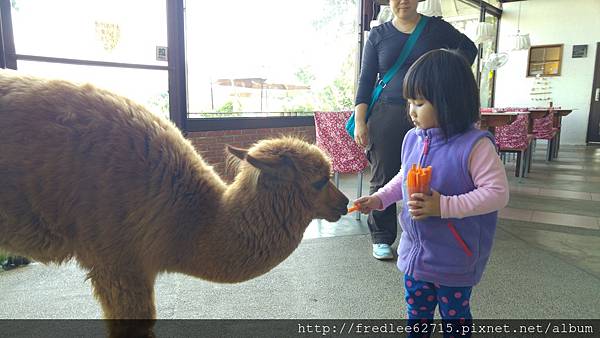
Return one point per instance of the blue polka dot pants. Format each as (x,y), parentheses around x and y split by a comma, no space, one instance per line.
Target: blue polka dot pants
(454,306)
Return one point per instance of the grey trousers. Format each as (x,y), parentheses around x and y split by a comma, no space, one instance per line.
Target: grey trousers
(387,125)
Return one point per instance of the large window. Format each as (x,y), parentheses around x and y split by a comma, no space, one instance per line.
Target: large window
(108,43)
(270,57)
(231,64)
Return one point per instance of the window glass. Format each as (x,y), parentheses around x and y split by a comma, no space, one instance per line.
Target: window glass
(488,65)
(553,53)
(464,17)
(146,87)
(108,30)
(270,57)
(537,55)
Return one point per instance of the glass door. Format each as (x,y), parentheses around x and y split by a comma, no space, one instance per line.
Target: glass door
(488,68)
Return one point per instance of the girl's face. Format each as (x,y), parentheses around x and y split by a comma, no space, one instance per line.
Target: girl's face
(423,113)
(404,8)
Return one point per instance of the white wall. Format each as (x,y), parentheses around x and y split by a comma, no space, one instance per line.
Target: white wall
(568,22)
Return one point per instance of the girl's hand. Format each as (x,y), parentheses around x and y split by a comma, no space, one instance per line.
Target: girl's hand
(368,204)
(421,206)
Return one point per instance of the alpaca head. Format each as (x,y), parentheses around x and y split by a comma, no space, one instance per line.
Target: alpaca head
(297,168)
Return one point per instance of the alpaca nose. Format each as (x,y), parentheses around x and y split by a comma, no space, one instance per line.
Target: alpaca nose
(344,205)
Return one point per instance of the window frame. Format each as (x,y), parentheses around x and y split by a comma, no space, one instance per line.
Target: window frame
(560,59)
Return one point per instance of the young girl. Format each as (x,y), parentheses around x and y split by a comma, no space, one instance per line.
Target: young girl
(447,235)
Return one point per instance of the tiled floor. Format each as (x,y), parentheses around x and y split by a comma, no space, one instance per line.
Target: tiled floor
(557,207)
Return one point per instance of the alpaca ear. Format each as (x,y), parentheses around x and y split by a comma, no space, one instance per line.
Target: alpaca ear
(237,152)
(281,167)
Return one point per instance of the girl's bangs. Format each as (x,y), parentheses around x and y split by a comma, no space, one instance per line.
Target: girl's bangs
(414,86)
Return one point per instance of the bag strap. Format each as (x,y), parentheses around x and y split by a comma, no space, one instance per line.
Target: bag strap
(408,46)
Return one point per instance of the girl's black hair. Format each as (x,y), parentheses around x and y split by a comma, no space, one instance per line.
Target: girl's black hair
(444,78)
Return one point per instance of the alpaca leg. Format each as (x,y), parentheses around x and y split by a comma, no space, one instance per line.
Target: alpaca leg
(127,300)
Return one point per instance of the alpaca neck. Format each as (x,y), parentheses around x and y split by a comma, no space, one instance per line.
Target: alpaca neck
(254,230)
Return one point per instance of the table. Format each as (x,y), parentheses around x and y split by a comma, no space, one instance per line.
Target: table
(490,121)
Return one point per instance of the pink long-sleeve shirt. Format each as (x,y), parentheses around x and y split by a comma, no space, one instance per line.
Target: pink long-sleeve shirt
(491,191)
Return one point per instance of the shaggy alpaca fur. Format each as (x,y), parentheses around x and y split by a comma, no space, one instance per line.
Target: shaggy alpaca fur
(90,175)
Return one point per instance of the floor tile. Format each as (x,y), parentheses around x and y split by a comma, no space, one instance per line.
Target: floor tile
(562,177)
(517,214)
(525,189)
(565,219)
(566,194)
(582,251)
(347,225)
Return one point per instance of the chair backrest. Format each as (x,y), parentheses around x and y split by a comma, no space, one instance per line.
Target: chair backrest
(514,135)
(346,156)
(543,128)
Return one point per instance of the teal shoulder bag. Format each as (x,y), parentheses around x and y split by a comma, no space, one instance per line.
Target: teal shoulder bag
(410,43)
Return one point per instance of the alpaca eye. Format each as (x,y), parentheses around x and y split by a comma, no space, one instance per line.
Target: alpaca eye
(321,184)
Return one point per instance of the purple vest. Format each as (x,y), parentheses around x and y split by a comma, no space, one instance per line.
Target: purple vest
(451,252)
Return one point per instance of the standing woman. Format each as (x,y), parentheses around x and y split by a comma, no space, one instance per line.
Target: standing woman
(384,132)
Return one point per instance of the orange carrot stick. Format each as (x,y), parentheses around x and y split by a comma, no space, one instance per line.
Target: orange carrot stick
(411,181)
(355,207)
(422,183)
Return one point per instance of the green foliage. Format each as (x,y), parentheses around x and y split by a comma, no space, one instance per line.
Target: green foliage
(226,110)
(13,4)
(340,94)
(227,107)
(3,256)
(161,103)
(305,75)
(337,22)
(331,13)
(299,108)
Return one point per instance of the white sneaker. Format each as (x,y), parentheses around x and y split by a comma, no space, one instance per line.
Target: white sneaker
(382,251)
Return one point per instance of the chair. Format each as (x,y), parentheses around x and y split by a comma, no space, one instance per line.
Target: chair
(514,138)
(346,156)
(543,129)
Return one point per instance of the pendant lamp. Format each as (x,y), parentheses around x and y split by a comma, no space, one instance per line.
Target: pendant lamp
(484,32)
(520,41)
(430,8)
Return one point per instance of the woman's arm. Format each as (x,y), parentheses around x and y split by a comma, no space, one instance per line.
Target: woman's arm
(491,185)
(467,48)
(361,131)
(368,71)
(366,82)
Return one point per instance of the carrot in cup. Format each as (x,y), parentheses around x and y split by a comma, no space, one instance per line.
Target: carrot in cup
(418,180)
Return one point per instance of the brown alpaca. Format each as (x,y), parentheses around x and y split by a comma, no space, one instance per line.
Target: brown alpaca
(90,175)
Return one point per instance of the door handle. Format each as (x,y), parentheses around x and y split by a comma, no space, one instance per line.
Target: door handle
(597,96)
